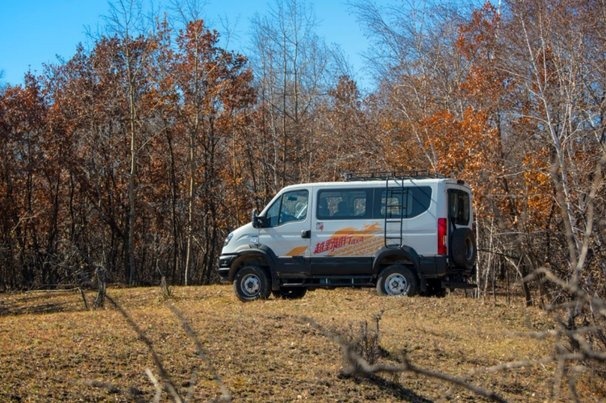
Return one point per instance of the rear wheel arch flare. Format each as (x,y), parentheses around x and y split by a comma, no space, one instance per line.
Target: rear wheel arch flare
(390,256)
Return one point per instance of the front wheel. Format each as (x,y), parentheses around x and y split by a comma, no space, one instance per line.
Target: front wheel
(397,280)
(251,283)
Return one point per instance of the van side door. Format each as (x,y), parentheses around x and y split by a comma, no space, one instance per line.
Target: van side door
(344,234)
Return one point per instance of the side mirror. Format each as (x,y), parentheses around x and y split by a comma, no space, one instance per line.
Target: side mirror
(257,221)
(253,218)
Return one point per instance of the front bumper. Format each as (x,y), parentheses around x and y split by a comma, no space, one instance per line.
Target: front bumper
(225,266)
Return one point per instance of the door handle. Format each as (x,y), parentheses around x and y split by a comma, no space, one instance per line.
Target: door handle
(306,234)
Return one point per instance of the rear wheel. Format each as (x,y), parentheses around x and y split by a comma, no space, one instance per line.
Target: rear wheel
(397,280)
(435,289)
(290,292)
(251,283)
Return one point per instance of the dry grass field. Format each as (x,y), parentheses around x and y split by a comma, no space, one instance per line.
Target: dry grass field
(53,349)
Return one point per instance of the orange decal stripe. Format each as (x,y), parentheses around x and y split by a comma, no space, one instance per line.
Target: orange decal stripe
(297,251)
(349,239)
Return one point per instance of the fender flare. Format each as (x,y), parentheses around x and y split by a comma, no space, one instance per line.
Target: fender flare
(386,256)
(263,255)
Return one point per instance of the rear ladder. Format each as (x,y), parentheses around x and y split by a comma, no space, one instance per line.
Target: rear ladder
(393,208)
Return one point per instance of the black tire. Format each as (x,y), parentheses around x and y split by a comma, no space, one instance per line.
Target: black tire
(435,289)
(251,283)
(290,292)
(397,280)
(463,249)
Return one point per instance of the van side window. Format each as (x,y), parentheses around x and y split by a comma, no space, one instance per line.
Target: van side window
(292,206)
(343,204)
(405,202)
(459,206)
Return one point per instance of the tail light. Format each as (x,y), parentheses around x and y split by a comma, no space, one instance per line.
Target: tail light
(442,236)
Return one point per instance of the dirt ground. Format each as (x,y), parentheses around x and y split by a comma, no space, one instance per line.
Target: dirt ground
(211,346)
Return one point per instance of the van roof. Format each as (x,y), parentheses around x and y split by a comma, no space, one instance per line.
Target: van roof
(381,183)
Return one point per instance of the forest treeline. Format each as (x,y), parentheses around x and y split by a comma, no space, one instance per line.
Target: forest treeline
(139,154)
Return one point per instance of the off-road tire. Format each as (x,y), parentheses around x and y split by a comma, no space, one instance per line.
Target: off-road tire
(397,280)
(251,283)
(434,288)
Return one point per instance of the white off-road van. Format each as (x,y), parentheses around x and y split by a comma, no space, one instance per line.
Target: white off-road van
(403,234)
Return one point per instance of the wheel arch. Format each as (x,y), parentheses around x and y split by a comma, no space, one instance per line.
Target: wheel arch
(262,257)
(404,255)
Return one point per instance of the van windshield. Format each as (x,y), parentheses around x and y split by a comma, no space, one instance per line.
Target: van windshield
(291,206)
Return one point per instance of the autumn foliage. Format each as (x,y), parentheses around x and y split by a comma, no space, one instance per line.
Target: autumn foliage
(140,154)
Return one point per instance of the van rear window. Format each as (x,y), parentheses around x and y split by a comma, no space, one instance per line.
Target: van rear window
(404,202)
(459,206)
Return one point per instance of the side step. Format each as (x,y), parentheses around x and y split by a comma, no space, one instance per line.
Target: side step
(332,281)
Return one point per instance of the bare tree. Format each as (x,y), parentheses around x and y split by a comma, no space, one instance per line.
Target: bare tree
(292,66)
(551,60)
(126,21)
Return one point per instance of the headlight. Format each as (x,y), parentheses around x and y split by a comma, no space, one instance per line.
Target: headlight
(229,237)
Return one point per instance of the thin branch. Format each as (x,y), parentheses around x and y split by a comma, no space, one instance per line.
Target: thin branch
(358,366)
(164,376)
(225,393)
(156,384)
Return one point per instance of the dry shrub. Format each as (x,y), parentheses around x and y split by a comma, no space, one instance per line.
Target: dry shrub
(365,340)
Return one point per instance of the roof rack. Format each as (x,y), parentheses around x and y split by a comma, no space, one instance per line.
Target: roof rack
(385,175)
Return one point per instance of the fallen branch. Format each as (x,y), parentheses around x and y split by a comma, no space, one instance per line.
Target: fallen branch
(356,365)
(164,376)
(156,384)
(225,393)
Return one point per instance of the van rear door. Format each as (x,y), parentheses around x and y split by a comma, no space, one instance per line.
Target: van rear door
(459,208)
(461,240)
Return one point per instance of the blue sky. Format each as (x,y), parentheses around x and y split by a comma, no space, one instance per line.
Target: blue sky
(34,32)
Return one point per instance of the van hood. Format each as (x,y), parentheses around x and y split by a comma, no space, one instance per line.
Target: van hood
(240,237)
